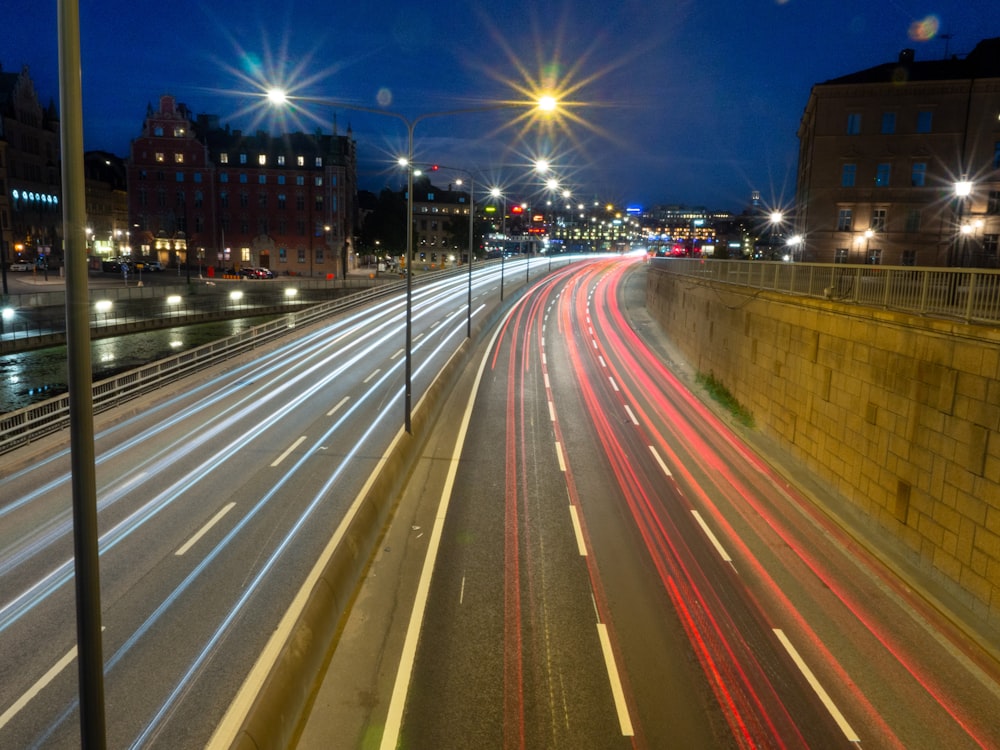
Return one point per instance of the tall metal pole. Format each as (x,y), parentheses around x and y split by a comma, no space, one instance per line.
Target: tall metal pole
(472,218)
(86,556)
(503,247)
(409,272)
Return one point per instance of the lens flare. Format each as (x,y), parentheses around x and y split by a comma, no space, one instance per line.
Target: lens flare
(925,29)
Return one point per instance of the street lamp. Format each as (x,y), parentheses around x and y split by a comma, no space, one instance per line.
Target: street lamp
(963,189)
(279,97)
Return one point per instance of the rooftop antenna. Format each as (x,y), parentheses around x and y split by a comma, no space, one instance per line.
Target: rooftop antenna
(947,39)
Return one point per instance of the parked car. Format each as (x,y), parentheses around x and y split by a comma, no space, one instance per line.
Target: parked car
(149,265)
(20,266)
(264,273)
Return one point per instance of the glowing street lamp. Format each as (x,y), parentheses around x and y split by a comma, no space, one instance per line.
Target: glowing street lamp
(279,97)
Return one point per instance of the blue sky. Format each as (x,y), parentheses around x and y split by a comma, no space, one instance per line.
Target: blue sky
(668,101)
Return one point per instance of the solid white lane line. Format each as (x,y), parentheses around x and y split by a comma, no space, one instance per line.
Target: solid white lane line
(814,683)
(578,530)
(285,455)
(624,719)
(39,686)
(204,529)
(659,460)
(340,403)
(559,455)
(711,536)
(631,415)
(366,380)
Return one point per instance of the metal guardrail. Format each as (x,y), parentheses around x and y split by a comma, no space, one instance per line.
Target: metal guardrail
(972,295)
(33,422)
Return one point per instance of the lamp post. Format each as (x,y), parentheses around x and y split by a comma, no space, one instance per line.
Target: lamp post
(472,216)
(775,220)
(279,97)
(963,189)
(497,193)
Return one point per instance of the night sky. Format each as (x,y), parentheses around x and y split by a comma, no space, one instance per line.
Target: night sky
(666,102)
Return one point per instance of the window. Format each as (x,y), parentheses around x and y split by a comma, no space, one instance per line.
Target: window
(160,157)
(924,121)
(180,199)
(262,225)
(300,160)
(244,200)
(879,219)
(161,199)
(178,158)
(991,242)
(319,203)
(909,258)
(245,254)
(300,202)
(262,159)
(281,179)
(430,196)
(223,177)
(300,179)
(302,255)
(918,174)
(158,130)
(300,227)
(283,254)
(224,199)
(223,158)
(319,161)
(874,256)
(913,220)
(840,255)
(262,179)
(180,177)
(243,158)
(888,123)
(199,199)
(197,176)
(854,123)
(179,131)
(243,178)
(319,182)
(281,160)
(319,254)
(845,220)
(281,200)
(882,173)
(848,174)
(143,198)
(262,200)
(993,202)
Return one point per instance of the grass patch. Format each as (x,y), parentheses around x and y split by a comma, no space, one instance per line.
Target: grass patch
(721,394)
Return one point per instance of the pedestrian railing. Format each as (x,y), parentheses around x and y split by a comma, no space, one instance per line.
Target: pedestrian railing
(972,295)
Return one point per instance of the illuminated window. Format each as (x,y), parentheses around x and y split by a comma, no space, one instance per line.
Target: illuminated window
(319,161)
(319,181)
(179,131)
(262,159)
(301,161)
(243,158)
(160,157)
(879,219)
(845,220)
(178,158)
(223,158)
(281,160)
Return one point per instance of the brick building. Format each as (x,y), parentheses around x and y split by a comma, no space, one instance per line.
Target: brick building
(230,199)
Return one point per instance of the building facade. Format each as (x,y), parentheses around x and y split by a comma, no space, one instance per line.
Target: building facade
(31,205)
(229,199)
(900,164)
(108,229)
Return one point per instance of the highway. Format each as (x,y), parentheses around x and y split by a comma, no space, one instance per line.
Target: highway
(610,565)
(214,501)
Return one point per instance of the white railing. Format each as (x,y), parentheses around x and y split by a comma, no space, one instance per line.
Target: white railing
(972,295)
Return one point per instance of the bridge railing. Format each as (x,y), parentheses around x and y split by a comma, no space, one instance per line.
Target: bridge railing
(969,294)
